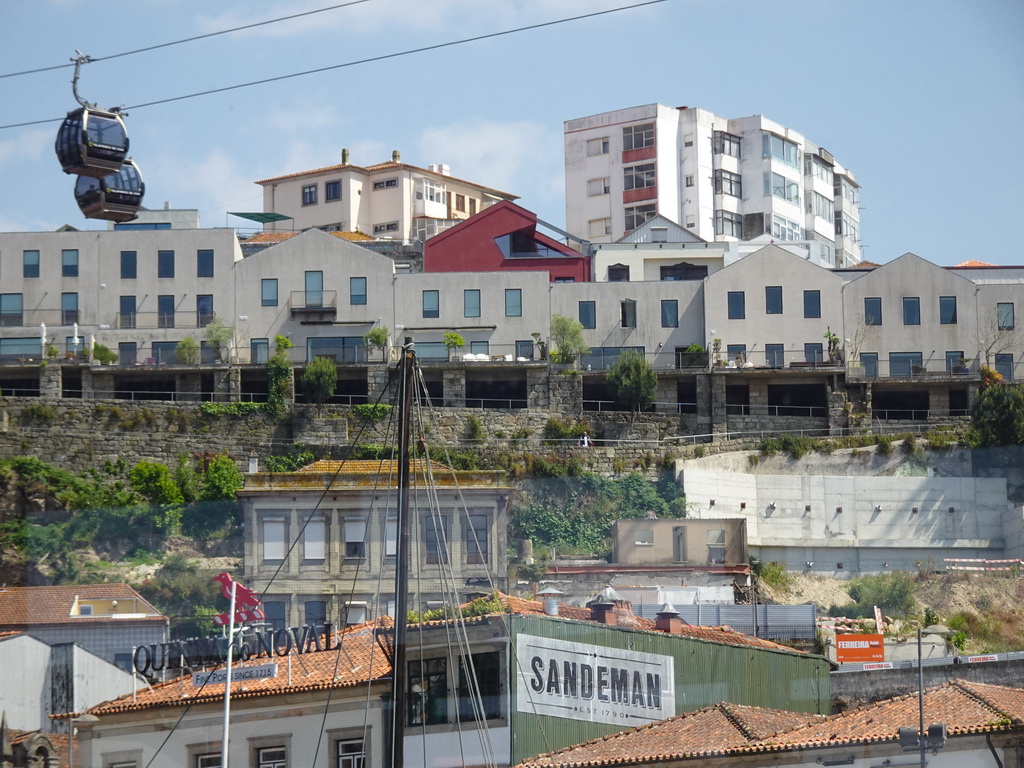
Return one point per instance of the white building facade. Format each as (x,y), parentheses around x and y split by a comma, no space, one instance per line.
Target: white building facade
(722,179)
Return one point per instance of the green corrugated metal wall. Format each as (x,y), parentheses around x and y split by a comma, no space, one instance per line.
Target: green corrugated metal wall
(705,674)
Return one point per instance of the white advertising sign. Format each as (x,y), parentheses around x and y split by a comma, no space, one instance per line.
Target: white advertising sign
(591,682)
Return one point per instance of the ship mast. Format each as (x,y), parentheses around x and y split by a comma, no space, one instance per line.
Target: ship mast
(399,677)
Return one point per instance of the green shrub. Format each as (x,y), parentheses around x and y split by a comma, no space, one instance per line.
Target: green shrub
(474,428)
(41,412)
(883,445)
(320,380)
(372,412)
(103,354)
(186,351)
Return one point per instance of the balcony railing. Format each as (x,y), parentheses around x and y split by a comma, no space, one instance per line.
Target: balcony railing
(157,320)
(314,306)
(901,370)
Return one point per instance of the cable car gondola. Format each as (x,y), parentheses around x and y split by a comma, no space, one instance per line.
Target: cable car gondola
(91,141)
(116,197)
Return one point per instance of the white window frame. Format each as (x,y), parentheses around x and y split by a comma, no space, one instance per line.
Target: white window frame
(600,227)
(274,547)
(637,136)
(643,176)
(597,146)
(314,538)
(598,187)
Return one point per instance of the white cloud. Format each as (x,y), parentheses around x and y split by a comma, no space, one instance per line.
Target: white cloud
(29,144)
(213,183)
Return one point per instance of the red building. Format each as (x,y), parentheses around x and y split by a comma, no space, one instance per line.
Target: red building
(503,237)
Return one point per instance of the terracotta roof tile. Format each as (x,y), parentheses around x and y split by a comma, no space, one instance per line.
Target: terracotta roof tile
(273,238)
(973,263)
(22,607)
(356,660)
(965,708)
(367,474)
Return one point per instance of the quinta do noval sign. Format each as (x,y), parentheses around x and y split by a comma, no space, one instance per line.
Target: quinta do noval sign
(184,654)
(591,682)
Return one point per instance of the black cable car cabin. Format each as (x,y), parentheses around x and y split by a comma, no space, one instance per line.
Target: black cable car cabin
(116,197)
(92,142)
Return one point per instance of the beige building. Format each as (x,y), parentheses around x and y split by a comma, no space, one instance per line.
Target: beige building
(326,537)
(680,542)
(392,200)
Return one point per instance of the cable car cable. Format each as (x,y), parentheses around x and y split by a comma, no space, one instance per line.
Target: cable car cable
(188,39)
(384,57)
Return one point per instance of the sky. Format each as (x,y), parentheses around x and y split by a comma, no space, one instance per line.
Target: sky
(922,99)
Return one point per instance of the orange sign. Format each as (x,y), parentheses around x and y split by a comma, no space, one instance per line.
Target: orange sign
(855,648)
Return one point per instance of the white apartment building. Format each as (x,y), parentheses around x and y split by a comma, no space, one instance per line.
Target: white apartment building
(722,179)
(389,200)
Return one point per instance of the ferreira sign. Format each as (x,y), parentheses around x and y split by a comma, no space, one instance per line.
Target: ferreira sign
(590,682)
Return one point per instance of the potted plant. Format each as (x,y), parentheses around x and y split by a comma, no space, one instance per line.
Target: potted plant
(453,341)
(835,356)
(716,347)
(694,356)
(52,351)
(377,338)
(103,354)
(186,351)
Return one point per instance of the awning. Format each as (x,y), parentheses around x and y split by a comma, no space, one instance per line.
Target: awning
(262,218)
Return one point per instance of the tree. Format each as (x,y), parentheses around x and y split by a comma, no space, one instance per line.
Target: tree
(187,351)
(377,338)
(453,341)
(632,381)
(320,379)
(567,336)
(279,375)
(999,333)
(219,335)
(998,415)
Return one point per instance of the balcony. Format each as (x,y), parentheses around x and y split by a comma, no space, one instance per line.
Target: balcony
(156,320)
(313,306)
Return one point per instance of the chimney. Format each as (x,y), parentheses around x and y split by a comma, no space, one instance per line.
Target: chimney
(396,156)
(668,620)
(549,596)
(167,205)
(607,606)
(344,155)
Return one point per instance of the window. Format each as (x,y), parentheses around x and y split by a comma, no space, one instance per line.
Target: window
(737,353)
(30,264)
(659,234)
(128,265)
(357,291)
(431,304)
(430,677)
(588,314)
(332,191)
(784,229)
(597,146)
(478,548)
(350,754)
(716,545)
(259,350)
(275,612)
(460,203)
(728,223)
(1004,316)
(779,186)
(480,347)
(822,207)
(723,143)
(435,538)
(848,226)
(638,136)
(778,148)
(638,214)
(271,757)
(391,537)
(390,226)
(911,310)
(313,539)
(644,539)
(597,187)
(669,313)
(385,184)
(812,303)
(599,227)
(69,263)
(471,302)
(204,263)
(953,360)
(513,302)
(315,612)
(689,179)
(814,353)
(872,310)
(472,206)
(728,183)
(309,195)
(126,312)
(268,291)
(355,539)
(639,176)
(165,311)
(627,313)
(847,190)
(204,309)
(313,282)
(1004,365)
(273,539)
(209,760)
(618,273)
(817,168)
(775,355)
(127,352)
(486,668)
(431,190)
(947,310)
(165,263)
(737,305)
(524,349)
(68,308)
(11,309)
(870,362)
(773,299)
(902,364)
